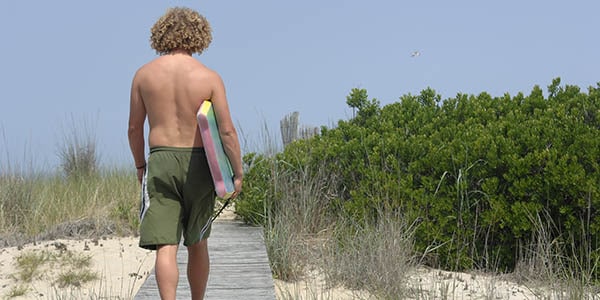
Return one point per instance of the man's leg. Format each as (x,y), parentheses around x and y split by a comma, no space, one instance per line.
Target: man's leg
(198,268)
(167,274)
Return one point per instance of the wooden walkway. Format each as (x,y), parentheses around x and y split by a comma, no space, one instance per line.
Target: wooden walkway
(239,266)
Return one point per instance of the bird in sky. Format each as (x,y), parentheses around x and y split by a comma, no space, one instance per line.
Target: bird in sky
(415,54)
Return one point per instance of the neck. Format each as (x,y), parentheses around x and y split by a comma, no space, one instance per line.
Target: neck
(180,51)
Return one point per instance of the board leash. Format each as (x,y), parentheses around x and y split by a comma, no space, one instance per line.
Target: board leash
(213,218)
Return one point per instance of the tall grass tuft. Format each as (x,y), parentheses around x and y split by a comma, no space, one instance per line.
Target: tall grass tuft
(78,152)
(374,257)
(296,218)
(16,198)
(554,265)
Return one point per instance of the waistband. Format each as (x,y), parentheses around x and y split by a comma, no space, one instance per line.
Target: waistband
(177,149)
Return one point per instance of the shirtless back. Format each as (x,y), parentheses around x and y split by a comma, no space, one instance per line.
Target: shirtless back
(169,90)
(172,88)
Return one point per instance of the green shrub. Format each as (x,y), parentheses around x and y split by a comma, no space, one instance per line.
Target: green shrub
(471,169)
(258,188)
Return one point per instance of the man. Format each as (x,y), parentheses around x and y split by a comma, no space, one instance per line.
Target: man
(177,187)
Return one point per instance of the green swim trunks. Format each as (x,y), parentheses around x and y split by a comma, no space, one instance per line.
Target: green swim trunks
(178,197)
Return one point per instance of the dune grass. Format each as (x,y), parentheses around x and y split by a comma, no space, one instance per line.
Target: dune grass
(35,207)
(78,200)
(39,206)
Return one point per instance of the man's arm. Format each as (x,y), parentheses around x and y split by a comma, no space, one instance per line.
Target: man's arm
(135,132)
(227,130)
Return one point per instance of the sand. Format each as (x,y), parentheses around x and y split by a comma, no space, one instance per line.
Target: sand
(314,286)
(436,284)
(423,283)
(122,267)
(119,264)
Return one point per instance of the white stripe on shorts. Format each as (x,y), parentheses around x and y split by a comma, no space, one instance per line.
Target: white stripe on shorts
(145,199)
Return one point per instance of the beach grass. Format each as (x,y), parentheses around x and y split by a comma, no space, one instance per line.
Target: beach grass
(50,206)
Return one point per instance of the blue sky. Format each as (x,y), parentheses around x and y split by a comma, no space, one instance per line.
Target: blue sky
(71,62)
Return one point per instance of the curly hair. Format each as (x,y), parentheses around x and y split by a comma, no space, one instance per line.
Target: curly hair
(180,28)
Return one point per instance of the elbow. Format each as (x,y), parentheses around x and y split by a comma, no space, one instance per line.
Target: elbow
(228,132)
(133,130)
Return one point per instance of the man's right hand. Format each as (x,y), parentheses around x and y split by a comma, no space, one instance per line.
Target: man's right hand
(140,174)
(237,184)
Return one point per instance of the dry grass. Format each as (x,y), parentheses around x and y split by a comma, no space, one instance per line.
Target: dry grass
(374,257)
(78,154)
(300,216)
(82,200)
(555,269)
(38,207)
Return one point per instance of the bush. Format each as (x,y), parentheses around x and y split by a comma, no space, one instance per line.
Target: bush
(471,169)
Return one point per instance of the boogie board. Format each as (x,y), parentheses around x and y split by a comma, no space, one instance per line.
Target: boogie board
(218,162)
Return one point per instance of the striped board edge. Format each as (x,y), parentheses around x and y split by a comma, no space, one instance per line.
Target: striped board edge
(218,162)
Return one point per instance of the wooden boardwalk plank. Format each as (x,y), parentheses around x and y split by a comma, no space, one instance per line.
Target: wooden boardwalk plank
(239,266)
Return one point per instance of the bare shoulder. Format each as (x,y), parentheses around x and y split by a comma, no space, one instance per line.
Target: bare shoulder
(149,66)
(210,77)
(208,73)
(142,71)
